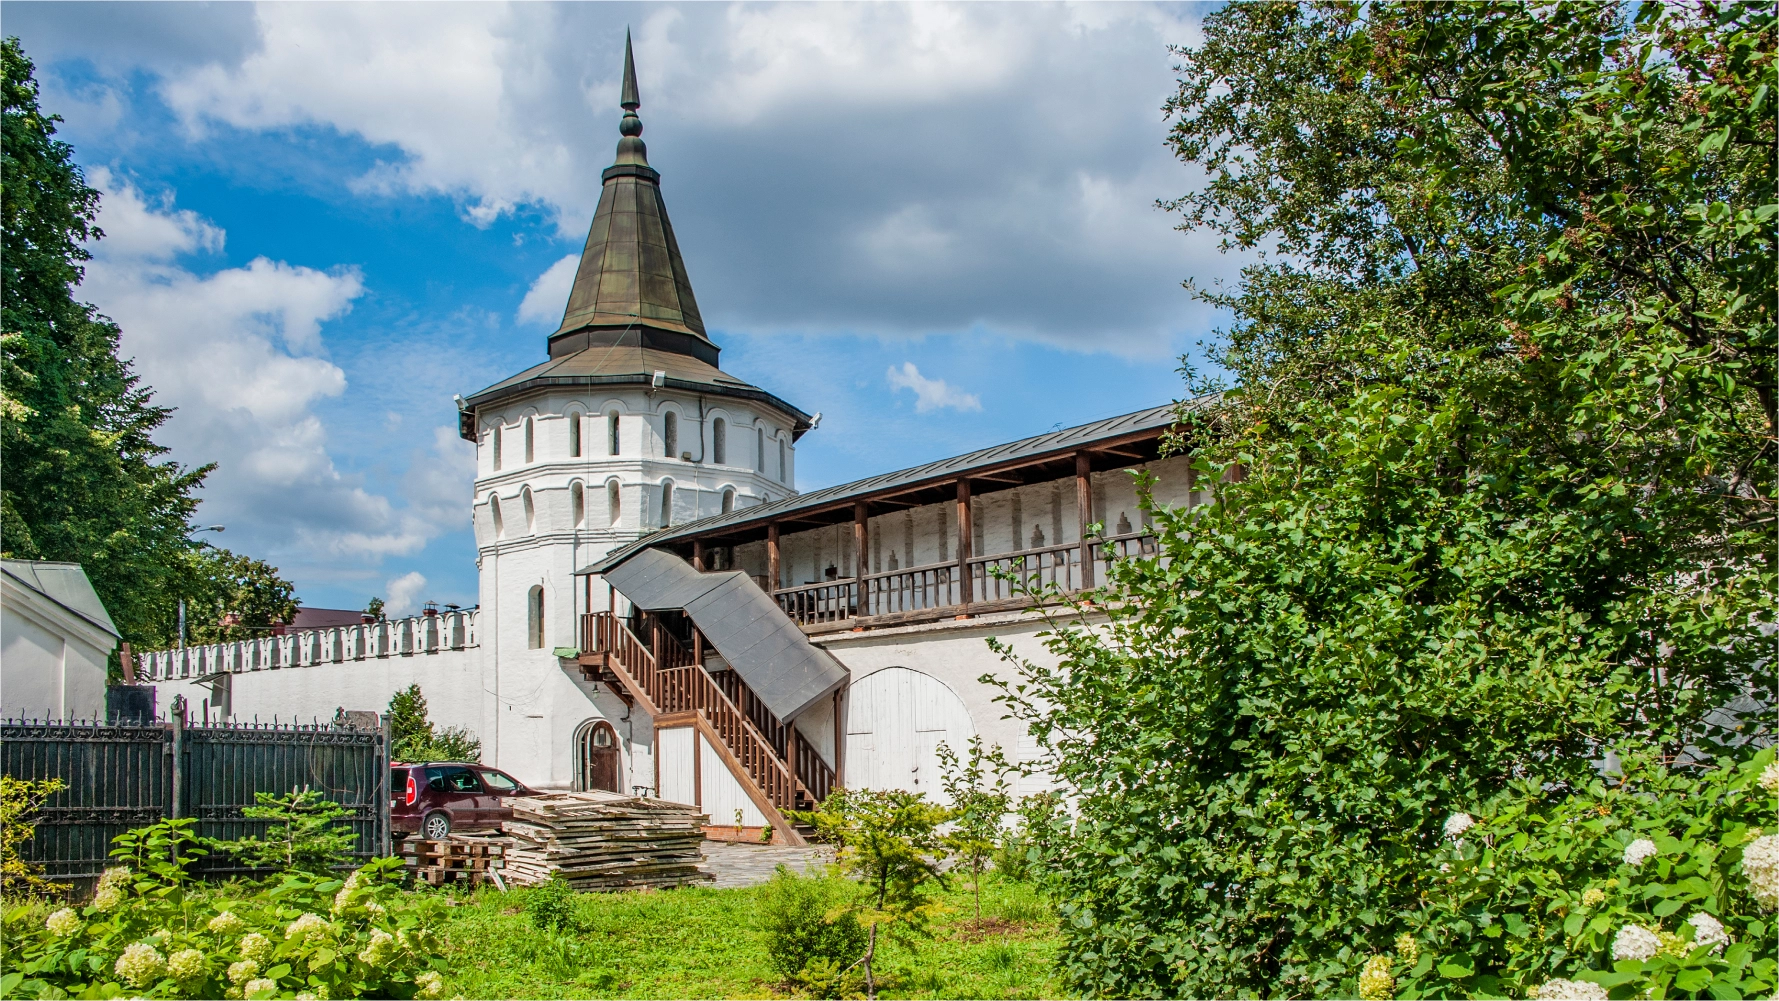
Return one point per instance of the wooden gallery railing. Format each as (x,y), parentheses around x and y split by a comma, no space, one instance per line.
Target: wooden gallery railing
(1003,578)
(663,671)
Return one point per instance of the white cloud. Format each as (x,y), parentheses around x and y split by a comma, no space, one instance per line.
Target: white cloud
(544,302)
(404,593)
(238,353)
(930,394)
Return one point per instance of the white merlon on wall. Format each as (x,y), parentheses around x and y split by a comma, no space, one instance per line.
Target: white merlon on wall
(417,635)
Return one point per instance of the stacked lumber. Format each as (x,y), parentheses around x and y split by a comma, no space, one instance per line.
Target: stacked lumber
(604,841)
(460,859)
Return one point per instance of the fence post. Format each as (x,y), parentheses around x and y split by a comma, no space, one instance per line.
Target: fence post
(176,792)
(385,790)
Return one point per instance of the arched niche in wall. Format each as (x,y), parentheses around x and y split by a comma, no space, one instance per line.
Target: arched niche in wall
(614,502)
(534,617)
(500,525)
(574,434)
(719,441)
(896,719)
(530,509)
(577,501)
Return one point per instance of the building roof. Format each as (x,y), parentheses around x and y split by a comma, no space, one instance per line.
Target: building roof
(743,623)
(322,618)
(1142,423)
(66,584)
(631,272)
(631,312)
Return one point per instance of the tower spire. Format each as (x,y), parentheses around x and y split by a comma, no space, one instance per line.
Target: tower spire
(630,148)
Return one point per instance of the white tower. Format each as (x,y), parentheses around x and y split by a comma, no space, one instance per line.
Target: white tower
(629,426)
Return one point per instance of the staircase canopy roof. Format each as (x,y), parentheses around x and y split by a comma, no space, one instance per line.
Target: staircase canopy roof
(786,671)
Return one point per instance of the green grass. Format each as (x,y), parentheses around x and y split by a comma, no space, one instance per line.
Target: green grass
(698,943)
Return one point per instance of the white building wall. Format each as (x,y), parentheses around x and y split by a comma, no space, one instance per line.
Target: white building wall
(51,662)
(723,797)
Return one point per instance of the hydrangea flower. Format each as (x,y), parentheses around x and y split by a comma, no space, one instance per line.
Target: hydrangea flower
(375,908)
(1408,948)
(355,880)
(342,899)
(1708,931)
(1458,823)
(115,878)
(308,927)
(186,965)
(107,897)
(63,923)
(381,947)
(258,986)
(1636,942)
(141,964)
(431,985)
(243,971)
(1593,896)
(1375,981)
(225,923)
(256,947)
(1639,852)
(1570,990)
(1760,863)
(1769,778)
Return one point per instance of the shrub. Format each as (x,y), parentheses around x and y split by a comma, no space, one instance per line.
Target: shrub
(20,800)
(551,904)
(307,833)
(1027,849)
(978,789)
(304,935)
(811,935)
(412,736)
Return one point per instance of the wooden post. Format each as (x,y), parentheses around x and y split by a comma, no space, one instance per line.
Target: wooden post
(697,647)
(129,664)
(698,555)
(772,571)
(839,744)
(1084,505)
(861,554)
(790,752)
(964,587)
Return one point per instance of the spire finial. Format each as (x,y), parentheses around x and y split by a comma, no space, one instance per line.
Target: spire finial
(629,100)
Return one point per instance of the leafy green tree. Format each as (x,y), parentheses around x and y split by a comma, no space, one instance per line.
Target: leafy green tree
(83,480)
(307,833)
(20,799)
(889,840)
(234,597)
(1492,492)
(374,609)
(412,736)
(979,793)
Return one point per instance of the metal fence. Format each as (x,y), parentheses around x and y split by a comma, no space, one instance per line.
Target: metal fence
(124,775)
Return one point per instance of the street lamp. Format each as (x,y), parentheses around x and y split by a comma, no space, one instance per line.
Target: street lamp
(191,531)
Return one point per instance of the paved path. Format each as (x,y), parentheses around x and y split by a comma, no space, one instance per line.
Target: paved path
(736,864)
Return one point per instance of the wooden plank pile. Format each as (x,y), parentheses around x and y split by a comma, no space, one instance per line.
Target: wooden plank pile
(460,859)
(604,841)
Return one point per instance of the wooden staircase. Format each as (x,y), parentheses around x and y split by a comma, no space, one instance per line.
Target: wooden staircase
(778,768)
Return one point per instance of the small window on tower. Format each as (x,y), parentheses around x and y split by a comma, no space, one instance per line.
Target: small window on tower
(577,496)
(613,499)
(728,501)
(494,444)
(500,525)
(534,617)
(530,452)
(670,435)
(666,503)
(759,450)
(781,462)
(574,434)
(719,442)
(611,433)
(530,511)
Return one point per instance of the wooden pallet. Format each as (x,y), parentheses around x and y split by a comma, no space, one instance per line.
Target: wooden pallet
(458,859)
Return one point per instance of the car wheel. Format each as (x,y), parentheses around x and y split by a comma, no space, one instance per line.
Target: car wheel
(436,826)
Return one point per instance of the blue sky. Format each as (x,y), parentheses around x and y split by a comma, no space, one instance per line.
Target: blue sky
(934,224)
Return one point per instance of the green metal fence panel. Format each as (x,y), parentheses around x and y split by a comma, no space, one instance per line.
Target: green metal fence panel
(116,777)
(126,775)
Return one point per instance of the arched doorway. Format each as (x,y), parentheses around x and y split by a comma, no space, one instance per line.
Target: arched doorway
(596,757)
(895,720)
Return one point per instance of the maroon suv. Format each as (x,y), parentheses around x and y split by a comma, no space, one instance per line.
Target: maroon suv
(438,797)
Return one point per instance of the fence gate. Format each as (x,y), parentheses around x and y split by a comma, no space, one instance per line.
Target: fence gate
(120,776)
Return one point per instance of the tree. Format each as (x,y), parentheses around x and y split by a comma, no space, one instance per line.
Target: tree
(83,480)
(978,790)
(233,597)
(412,736)
(307,833)
(889,840)
(1492,492)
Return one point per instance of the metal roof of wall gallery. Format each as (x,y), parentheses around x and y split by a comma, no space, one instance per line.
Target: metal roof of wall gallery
(1143,426)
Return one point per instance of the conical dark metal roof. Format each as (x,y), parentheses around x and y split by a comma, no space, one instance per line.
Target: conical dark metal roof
(631,275)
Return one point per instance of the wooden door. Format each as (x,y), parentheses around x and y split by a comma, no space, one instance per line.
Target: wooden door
(599,758)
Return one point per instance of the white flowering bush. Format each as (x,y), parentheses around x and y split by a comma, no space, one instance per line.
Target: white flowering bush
(149,933)
(1649,887)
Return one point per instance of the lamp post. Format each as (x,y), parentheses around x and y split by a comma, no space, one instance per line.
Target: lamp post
(206,528)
